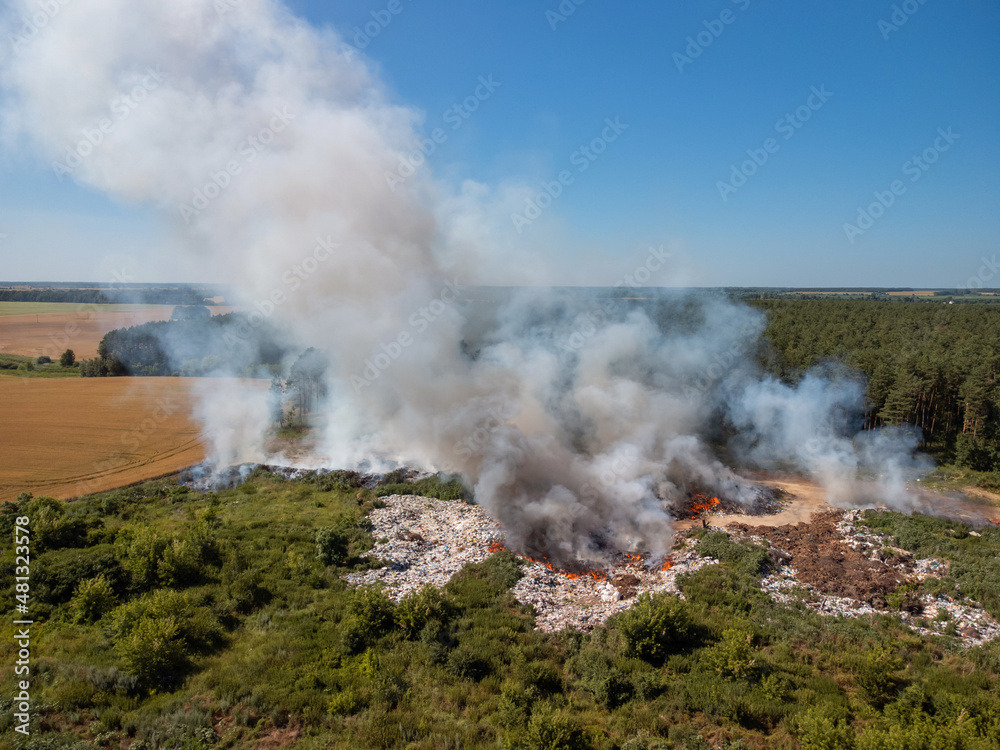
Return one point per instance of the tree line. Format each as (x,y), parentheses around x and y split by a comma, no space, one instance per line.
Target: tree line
(932,366)
(194,346)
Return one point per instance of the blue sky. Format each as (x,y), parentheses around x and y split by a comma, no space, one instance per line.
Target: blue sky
(659,183)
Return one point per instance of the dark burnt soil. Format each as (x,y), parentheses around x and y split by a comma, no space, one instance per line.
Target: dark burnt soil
(627,585)
(820,557)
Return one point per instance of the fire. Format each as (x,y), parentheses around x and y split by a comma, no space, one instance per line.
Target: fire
(705,504)
(597,575)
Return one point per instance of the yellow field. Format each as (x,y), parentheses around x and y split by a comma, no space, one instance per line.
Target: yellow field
(80,329)
(65,438)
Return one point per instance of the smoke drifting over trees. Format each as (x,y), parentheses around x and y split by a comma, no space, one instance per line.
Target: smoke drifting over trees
(266,134)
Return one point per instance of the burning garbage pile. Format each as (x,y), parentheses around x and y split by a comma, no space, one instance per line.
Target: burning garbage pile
(764,500)
(426,541)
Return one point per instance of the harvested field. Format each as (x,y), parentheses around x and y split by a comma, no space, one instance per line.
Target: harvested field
(66,438)
(80,328)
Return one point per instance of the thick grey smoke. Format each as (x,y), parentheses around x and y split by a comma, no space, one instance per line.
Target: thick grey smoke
(266,144)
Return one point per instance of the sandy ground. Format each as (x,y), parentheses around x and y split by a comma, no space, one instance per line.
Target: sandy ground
(804,499)
(67,437)
(53,333)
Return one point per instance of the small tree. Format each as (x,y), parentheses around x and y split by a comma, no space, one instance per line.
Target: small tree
(68,358)
(93,598)
(44,360)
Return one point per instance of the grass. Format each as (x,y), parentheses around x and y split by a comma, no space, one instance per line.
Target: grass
(42,308)
(269,648)
(950,477)
(14,365)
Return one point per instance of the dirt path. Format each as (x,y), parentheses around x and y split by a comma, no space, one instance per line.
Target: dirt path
(802,500)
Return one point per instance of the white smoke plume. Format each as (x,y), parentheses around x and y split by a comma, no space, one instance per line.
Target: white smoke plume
(266,143)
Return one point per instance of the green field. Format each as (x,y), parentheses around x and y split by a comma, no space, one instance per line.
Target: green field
(220,620)
(41,308)
(14,365)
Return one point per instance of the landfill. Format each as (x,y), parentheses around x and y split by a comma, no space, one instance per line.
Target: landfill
(424,541)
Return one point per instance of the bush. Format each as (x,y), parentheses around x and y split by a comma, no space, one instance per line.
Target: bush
(468,662)
(67,358)
(44,360)
(438,486)
(139,550)
(748,558)
(420,607)
(549,730)
(875,676)
(515,706)
(734,657)
(331,546)
(819,732)
(656,626)
(153,650)
(94,598)
(371,615)
(613,690)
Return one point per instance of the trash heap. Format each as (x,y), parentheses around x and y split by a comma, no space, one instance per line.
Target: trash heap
(833,565)
(888,567)
(426,541)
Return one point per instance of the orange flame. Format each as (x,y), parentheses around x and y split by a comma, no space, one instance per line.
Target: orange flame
(496,546)
(667,564)
(706,504)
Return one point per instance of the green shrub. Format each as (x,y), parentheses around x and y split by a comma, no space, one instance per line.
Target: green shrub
(418,608)
(468,662)
(516,702)
(656,626)
(154,650)
(94,597)
(552,730)
(612,690)
(371,615)
(734,657)
(749,558)
(819,732)
(140,549)
(332,545)
(438,486)
(876,676)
